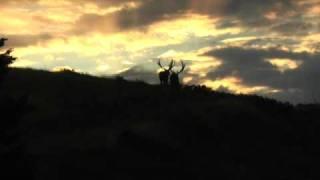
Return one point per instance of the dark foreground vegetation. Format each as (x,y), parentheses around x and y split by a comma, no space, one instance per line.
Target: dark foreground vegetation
(65,125)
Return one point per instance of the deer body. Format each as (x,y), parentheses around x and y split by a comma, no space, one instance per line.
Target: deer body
(174,78)
(164,77)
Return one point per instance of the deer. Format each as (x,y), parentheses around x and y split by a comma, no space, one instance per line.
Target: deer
(174,77)
(165,73)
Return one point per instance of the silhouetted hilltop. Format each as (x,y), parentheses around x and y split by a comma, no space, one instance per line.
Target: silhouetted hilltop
(85,127)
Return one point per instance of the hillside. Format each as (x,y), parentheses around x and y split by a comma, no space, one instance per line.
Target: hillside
(84,127)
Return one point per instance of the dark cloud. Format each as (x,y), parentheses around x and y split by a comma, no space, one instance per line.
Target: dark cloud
(293,28)
(249,12)
(98,2)
(231,12)
(103,2)
(26,40)
(151,11)
(129,18)
(94,22)
(227,23)
(316,47)
(275,42)
(251,66)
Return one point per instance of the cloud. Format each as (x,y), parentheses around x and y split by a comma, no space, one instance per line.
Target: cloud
(251,65)
(143,13)
(104,3)
(146,12)
(95,23)
(111,16)
(151,11)
(248,12)
(27,40)
(79,2)
(294,28)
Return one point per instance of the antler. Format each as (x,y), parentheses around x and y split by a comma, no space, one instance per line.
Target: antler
(183,66)
(171,65)
(159,63)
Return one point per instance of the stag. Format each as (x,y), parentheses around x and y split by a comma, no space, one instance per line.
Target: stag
(165,73)
(174,78)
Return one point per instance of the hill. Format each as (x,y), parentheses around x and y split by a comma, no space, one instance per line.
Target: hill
(84,127)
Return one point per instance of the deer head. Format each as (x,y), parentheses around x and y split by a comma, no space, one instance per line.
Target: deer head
(174,78)
(165,73)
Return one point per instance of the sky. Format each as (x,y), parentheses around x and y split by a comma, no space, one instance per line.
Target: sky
(265,47)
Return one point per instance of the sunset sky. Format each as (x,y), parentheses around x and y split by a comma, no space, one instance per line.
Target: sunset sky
(267,47)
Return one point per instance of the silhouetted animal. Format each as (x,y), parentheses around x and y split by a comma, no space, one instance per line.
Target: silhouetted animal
(164,75)
(2,41)
(174,78)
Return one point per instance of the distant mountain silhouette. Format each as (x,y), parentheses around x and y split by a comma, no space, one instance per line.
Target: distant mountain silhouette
(85,127)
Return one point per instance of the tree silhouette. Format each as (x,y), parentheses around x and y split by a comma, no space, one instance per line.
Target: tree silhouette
(12,153)
(5,60)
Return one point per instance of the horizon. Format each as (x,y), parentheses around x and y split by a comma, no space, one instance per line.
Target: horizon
(269,48)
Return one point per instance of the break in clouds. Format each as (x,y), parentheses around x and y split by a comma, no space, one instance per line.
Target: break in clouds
(268,47)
